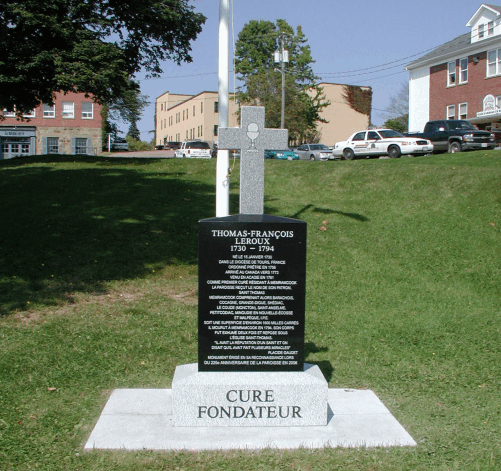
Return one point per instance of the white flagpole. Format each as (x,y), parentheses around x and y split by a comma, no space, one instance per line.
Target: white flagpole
(222,177)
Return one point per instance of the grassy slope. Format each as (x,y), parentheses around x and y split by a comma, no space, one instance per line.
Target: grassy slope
(98,291)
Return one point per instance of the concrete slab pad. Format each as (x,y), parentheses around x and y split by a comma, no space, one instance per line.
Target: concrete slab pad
(137,419)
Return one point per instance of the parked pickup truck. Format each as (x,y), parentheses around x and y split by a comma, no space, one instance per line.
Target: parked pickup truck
(193,149)
(455,135)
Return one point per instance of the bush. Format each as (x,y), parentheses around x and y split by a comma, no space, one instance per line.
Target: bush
(135,144)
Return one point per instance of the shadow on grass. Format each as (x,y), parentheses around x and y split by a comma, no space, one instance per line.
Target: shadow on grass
(71,229)
(325,366)
(314,209)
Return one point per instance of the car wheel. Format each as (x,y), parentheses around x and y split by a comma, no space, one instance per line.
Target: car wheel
(312,157)
(184,156)
(348,154)
(454,147)
(394,152)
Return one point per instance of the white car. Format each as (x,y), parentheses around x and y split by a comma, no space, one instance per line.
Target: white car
(193,149)
(373,142)
(314,152)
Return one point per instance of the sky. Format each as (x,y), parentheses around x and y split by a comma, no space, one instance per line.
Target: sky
(354,42)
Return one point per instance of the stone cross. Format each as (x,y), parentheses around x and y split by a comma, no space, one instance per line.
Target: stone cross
(252,138)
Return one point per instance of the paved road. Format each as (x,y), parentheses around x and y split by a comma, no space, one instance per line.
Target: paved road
(145,154)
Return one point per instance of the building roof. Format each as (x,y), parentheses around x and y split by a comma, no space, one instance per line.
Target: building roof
(493,8)
(457,45)
(449,48)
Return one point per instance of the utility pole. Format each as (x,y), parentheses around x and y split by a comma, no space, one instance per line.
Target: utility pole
(222,166)
(282,56)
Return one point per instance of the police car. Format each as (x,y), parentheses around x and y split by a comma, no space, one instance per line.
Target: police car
(378,142)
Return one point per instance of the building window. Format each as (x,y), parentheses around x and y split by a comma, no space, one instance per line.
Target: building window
(463,70)
(68,109)
(81,145)
(451,111)
(480,31)
(12,113)
(216,107)
(215,129)
(193,110)
(490,28)
(463,110)
(87,110)
(202,107)
(52,145)
(186,134)
(493,62)
(49,111)
(161,106)
(451,74)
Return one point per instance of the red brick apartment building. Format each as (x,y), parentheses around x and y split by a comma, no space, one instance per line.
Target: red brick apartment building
(461,79)
(71,126)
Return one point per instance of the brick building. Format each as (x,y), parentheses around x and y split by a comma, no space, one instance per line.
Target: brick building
(182,117)
(461,79)
(71,126)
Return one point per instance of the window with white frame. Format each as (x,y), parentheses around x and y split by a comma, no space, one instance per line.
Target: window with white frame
(451,111)
(463,70)
(480,31)
(68,109)
(49,111)
(463,110)
(87,110)
(493,62)
(498,102)
(52,145)
(451,74)
(80,145)
(12,114)
(490,28)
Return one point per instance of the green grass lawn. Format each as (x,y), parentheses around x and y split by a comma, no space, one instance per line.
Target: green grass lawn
(98,290)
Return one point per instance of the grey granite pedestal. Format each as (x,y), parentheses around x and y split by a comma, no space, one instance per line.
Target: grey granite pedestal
(250,399)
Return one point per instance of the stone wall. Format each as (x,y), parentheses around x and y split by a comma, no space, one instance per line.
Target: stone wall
(65,134)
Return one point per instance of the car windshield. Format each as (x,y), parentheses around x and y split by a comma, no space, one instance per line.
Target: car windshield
(318,147)
(389,133)
(456,124)
(197,145)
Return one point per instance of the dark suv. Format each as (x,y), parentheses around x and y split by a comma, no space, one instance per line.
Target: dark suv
(172,145)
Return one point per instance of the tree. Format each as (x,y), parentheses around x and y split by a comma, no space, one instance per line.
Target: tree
(91,46)
(397,112)
(254,62)
(127,108)
(133,131)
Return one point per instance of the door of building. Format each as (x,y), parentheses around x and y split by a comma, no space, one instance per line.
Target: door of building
(16,147)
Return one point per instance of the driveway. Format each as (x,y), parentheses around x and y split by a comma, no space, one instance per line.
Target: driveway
(143,154)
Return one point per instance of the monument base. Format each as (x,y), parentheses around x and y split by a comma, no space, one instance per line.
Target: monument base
(249,399)
(141,419)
